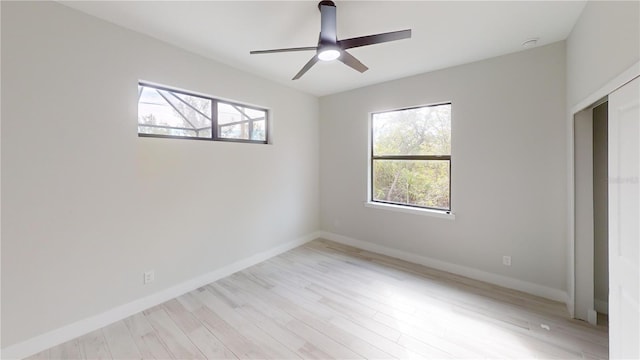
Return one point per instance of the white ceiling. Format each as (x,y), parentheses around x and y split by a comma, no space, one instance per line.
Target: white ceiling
(445,33)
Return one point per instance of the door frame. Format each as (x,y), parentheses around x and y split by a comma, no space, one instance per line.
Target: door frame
(617,82)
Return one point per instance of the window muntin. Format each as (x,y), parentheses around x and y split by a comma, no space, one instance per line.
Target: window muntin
(411,157)
(164,112)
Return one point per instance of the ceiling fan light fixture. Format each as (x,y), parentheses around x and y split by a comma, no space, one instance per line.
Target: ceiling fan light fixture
(329,54)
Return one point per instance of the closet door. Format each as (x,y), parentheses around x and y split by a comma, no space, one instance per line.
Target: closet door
(624,222)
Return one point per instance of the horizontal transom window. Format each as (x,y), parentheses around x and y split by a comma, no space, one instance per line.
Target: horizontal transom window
(164,112)
(411,157)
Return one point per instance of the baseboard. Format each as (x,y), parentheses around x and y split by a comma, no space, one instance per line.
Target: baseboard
(500,280)
(601,306)
(571,306)
(79,328)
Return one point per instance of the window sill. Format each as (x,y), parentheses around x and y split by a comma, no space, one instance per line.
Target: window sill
(411,210)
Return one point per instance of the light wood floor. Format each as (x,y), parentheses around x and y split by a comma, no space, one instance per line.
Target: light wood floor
(325,300)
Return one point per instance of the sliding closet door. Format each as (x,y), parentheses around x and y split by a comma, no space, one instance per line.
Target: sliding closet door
(624,222)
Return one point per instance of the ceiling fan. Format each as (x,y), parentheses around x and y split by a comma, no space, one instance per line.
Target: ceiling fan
(330,48)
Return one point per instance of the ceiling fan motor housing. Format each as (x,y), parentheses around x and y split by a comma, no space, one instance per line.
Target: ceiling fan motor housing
(326,3)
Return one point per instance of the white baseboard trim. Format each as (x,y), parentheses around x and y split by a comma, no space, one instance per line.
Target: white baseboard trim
(500,280)
(571,306)
(601,306)
(84,326)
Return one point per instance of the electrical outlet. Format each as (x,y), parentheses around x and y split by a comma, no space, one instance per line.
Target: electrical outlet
(149,276)
(506,260)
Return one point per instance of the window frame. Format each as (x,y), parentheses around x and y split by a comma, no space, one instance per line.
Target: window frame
(372,202)
(214,117)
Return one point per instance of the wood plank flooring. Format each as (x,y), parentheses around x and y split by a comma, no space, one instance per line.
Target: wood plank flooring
(325,300)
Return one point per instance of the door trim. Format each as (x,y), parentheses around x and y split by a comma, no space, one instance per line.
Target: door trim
(617,82)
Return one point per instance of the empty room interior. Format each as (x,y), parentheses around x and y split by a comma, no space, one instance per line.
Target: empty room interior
(320,180)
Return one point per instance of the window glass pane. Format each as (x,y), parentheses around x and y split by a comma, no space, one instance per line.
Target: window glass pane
(206,133)
(240,122)
(422,183)
(233,131)
(227,113)
(163,112)
(419,131)
(259,132)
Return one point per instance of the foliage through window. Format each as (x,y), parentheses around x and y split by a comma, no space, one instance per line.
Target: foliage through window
(165,112)
(411,157)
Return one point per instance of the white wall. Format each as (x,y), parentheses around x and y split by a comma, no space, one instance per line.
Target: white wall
(88,206)
(604,42)
(509,166)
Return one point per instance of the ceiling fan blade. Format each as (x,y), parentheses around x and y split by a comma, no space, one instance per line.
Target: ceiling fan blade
(352,62)
(308,48)
(306,67)
(328,32)
(374,39)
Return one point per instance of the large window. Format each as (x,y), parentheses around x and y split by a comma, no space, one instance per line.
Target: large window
(411,157)
(164,112)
